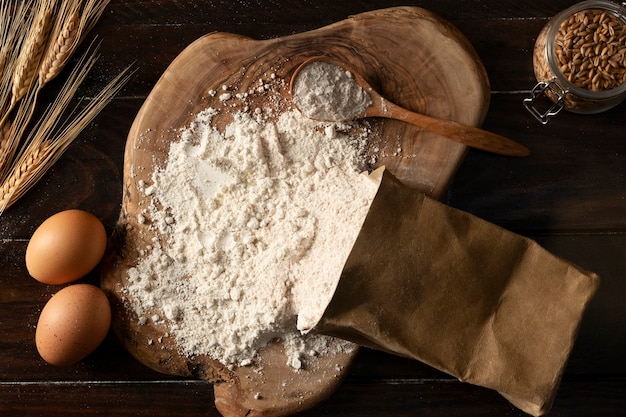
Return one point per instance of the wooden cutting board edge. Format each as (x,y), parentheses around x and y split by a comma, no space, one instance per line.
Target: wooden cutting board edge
(229,397)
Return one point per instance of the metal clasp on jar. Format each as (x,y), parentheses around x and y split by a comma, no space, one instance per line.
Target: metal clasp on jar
(556,95)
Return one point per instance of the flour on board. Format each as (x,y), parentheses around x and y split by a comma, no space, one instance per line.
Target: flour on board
(258,220)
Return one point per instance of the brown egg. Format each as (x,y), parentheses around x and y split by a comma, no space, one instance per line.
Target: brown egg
(65,247)
(72,324)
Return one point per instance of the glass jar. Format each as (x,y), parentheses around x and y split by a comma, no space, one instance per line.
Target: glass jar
(579,60)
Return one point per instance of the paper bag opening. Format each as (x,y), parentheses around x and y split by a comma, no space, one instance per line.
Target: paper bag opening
(433,283)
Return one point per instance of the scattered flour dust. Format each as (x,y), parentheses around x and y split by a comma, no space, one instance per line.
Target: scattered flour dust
(259,220)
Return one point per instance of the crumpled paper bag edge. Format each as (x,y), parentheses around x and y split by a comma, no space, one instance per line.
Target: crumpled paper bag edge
(531,405)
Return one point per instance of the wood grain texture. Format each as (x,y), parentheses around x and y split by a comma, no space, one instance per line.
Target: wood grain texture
(569,196)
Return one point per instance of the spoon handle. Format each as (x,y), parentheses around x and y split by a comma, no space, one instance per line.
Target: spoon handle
(467,135)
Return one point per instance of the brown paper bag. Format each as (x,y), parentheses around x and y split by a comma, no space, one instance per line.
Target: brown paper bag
(467,297)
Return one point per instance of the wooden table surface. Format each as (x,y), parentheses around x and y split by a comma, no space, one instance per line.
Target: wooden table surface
(569,195)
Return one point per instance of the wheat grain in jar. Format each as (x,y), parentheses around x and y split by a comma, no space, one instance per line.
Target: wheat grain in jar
(579,60)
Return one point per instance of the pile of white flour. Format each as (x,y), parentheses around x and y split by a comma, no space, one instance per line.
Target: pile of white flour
(324,91)
(259,220)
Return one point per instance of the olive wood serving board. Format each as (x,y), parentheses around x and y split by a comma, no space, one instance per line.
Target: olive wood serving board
(411,56)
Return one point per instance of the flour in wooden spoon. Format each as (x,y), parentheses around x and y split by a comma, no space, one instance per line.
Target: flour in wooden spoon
(324,91)
(258,221)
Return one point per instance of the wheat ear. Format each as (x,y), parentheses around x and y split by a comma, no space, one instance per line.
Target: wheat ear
(16,23)
(25,173)
(74,21)
(31,51)
(60,49)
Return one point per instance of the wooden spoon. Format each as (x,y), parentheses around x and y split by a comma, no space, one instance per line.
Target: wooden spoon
(377,106)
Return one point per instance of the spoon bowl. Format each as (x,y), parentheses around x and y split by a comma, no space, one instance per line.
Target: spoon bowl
(333,92)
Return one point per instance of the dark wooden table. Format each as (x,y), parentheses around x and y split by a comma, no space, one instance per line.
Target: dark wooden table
(570,196)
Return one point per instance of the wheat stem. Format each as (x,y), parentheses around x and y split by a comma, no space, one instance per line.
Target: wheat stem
(19,125)
(91,12)
(5,142)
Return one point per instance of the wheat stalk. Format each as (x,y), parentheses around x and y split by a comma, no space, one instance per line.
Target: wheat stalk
(25,173)
(19,126)
(19,75)
(35,48)
(60,49)
(13,18)
(5,141)
(32,50)
(36,158)
(6,34)
(15,23)
(73,22)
